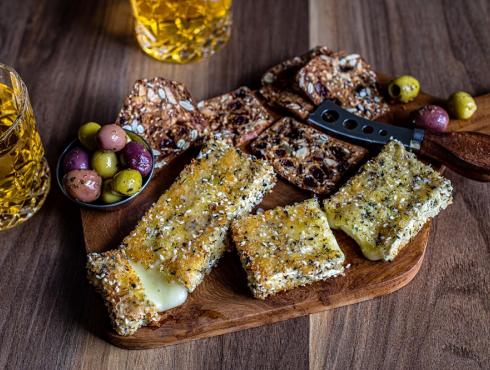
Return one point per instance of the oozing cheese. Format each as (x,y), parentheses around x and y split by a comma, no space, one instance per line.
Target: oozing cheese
(159,289)
(388,202)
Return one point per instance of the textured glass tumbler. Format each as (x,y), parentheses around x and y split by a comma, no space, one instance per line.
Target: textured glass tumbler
(182,31)
(24,171)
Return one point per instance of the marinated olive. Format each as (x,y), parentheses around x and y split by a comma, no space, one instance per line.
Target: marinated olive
(404,88)
(461,105)
(83,185)
(87,135)
(76,159)
(133,137)
(105,163)
(108,195)
(137,157)
(111,137)
(432,117)
(127,182)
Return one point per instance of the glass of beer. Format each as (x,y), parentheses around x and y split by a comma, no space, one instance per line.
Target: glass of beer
(24,171)
(182,31)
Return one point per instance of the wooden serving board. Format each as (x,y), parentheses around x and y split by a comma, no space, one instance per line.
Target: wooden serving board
(223,303)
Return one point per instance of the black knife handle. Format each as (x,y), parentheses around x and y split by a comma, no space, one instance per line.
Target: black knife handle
(330,117)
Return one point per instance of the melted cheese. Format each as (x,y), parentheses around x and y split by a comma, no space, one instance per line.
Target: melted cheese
(159,289)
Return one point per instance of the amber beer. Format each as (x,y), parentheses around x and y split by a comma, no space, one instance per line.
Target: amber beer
(181,31)
(24,172)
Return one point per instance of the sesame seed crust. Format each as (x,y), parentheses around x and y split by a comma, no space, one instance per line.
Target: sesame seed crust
(388,202)
(184,232)
(117,282)
(286,247)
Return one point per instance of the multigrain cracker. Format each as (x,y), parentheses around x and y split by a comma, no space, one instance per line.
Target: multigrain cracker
(162,111)
(345,78)
(307,157)
(236,117)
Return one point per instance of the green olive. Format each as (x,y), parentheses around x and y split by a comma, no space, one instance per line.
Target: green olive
(108,195)
(134,137)
(127,182)
(104,162)
(461,105)
(87,135)
(404,88)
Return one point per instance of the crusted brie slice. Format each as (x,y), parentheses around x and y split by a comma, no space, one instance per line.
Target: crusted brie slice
(388,202)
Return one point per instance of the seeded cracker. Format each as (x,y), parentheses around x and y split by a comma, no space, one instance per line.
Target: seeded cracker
(162,111)
(287,100)
(345,78)
(183,234)
(286,247)
(283,74)
(307,157)
(388,202)
(279,86)
(237,117)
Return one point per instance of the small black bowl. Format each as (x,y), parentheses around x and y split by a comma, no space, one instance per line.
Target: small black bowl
(98,204)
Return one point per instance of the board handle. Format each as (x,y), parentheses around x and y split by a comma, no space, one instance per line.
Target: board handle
(467,153)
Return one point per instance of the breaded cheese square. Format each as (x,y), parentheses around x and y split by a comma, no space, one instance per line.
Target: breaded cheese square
(183,234)
(124,295)
(286,247)
(388,202)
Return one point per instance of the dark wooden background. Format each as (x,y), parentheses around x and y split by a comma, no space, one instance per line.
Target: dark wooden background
(79,59)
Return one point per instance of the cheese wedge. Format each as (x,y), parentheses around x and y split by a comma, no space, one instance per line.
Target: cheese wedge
(388,202)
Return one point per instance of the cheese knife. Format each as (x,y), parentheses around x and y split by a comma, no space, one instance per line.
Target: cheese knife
(467,153)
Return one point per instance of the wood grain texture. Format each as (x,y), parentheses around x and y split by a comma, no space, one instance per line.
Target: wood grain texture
(79,59)
(442,318)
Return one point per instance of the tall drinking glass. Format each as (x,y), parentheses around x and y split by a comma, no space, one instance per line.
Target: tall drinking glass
(181,31)
(24,171)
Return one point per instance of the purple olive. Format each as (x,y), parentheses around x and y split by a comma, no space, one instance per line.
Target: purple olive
(76,159)
(111,137)
(83,185)
(432,117)
(137,157)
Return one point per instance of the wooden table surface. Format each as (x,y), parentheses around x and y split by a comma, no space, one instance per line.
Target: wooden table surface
(79,58)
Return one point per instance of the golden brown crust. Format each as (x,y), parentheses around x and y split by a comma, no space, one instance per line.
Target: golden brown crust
(286,247)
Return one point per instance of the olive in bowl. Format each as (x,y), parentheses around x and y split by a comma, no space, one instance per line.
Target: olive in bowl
(106,179)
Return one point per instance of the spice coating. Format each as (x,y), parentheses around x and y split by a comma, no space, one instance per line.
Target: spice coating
(388,202)
(286,247)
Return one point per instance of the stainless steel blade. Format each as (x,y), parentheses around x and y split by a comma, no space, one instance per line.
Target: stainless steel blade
(330,117)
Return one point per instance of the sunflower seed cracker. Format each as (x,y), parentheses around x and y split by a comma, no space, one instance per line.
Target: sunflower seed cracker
(345,78)
(163,112)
